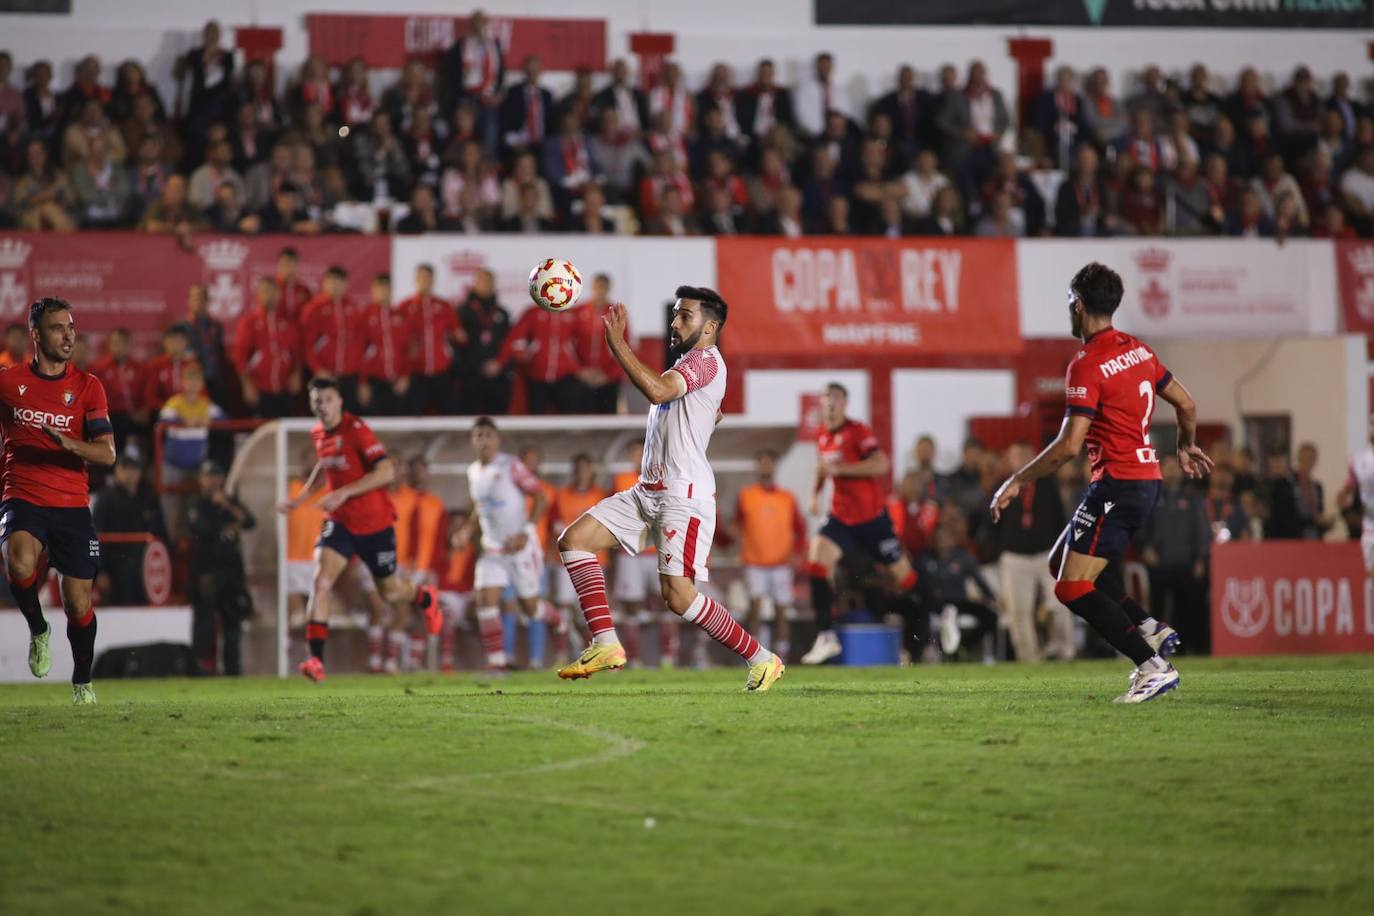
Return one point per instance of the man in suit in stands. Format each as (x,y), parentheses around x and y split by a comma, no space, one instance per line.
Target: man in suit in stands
(527,112)
(631,104)
(911,111)
(765,103)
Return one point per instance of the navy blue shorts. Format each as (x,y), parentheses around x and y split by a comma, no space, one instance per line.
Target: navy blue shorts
(377,550)
(1111,513)
(873,538)
(67,534)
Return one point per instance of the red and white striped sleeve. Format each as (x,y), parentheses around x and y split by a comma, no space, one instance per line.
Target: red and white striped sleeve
(698,368)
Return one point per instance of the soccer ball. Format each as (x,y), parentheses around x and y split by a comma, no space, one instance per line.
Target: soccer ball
(555,285)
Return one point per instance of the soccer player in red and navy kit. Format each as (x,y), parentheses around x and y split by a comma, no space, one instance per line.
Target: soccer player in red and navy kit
(859,523)
(55,421)
(359,521)
(1111,387)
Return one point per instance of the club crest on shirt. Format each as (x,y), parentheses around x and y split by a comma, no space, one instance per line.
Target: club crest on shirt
(68,398)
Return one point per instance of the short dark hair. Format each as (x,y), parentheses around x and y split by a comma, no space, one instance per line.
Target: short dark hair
(45,305)
(487,422)
(766,453)
(289,252)
(710,300)
(581,456)
(426,267)
(13,326)
(324,382)
(838,388)
(382,277)
(1099,287)
(336,271)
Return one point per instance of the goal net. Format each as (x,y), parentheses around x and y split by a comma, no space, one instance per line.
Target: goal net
(268,459)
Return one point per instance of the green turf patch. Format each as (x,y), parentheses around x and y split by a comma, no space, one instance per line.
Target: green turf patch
(937,789)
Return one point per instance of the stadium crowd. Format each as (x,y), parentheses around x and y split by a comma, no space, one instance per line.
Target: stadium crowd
(458,144)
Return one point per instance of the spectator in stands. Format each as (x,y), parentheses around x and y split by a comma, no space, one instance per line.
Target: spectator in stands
(946,216)
(1225,517)
(591,215)
(1225,145)
(472,174)
(13,112)
(210,70)
(218,169)
(90,127)
(1347,109)
(872,186)
(598,373)
(227,214)
(1249,219)
(381,171)
(171,214)
(1103,115)
(262,179)
(972,125)
(187,416)
(910,111)
(1357,191)
(1247,102)
(667,173)
(1297,115)
(267,354)
(312,88)
(822,185)
(670,103)
(543,345)
(1274,182)
(1024,538)
(148,175)
(630,104)
(837,218)
(1057,114)
(1201,106)
(145,121)
(16,351)
(528,217)
(1333,145)
(1142,143)
(484,381)
(422,215)
(385,366)
(330,334)
(124,506)
(474,70)
(619,152)
(579,101)
(523,188)
(765,104)
(1142,208)
(251,144)
(568,161)
(41,108)
(1078,206)
(1025,199)
(1177,143)
(1175,544)
(719,95)
(527,111)
(1190,202)
(42,198)
(787,219)
(218,582)
(818,95)
(131,84)
(920,185)
(963,487)
(1002,219)
(102,188)
(353,99)
(1310,496)
(256,89)
(287,213)
(85,88)
(1332,225)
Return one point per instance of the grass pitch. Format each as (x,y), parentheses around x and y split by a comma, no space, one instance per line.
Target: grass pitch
(938,789)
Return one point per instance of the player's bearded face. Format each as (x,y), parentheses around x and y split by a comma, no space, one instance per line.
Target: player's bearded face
(56,336)
(686,330)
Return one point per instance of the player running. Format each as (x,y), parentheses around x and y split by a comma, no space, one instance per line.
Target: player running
(674,503)
(358,521)
(850,458)
(1110,392)
(511,554)
(55,421)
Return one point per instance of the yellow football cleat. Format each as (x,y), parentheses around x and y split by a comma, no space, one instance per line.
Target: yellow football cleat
(594,658)
(764,675)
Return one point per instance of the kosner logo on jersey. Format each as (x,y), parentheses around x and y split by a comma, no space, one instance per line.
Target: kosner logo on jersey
(40,418)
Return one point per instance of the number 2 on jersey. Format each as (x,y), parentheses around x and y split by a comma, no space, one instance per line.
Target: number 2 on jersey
(1147,455)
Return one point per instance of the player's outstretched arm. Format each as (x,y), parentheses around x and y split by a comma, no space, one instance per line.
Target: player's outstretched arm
(1065,446)
(875,465)
(1192,460)
(658,388)
(98,451)
(312,483)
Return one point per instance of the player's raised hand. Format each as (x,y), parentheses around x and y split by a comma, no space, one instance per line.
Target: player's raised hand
(1008,491)
(615,320)
(1194,462)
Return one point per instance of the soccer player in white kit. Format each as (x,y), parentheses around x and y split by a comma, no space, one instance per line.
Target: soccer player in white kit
(511,554)
(674,502)
(1360,479)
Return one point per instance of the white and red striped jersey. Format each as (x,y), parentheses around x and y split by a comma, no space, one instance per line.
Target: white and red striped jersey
(1361,476)
(679,431)
(498,490)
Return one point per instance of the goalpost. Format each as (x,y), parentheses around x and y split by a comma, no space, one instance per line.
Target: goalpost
(266,460)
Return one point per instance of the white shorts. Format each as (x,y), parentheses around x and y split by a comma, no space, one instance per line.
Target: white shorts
(300,577)
(455,604)
(1367,545)
(772,582)
(636,578)
(522,570)
(680,528)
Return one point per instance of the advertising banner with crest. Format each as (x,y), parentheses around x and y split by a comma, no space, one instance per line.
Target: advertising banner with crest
(1355,272)
(1290,597)
(1214,288)
(139,282)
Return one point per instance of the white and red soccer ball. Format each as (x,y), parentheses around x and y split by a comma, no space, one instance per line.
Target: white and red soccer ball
(555,285)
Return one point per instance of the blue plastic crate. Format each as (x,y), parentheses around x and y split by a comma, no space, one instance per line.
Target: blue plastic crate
(869,644)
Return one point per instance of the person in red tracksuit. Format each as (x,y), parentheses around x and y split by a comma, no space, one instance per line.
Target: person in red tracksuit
(267,355)
(292,294)
(333,336)
(385,385)
(122,376)
(162,373)
(435,321)
(543,344)
(599,376)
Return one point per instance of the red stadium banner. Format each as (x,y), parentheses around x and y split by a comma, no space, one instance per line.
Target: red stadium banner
(389,41)
(1355,273)
(860,297)
(1289,598)
(138,281)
